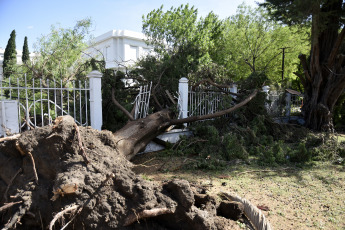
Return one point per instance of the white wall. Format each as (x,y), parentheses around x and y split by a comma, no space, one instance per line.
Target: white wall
(119,47)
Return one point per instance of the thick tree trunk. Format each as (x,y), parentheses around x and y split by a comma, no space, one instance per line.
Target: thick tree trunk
(135,135)
(324,76)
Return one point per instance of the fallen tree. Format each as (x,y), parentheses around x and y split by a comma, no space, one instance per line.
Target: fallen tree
(69,177)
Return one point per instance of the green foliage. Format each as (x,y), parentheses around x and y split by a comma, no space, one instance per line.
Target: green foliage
(339,114)
(301,154)
(26,53)
(184,46)
(10,56)
(61,53)
(253,43)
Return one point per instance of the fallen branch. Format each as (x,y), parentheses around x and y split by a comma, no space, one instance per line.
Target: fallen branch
(8,205)
(33,167)
(146,214)
(10,138)
(266,170)
(81,144)
(9,184)
(60,215)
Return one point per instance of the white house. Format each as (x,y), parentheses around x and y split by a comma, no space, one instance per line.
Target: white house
(119,48)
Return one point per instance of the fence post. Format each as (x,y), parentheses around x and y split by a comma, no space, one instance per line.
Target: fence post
(95,81)
(183,91)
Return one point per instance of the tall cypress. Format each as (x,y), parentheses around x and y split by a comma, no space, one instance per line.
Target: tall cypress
(10,55)
(25,56)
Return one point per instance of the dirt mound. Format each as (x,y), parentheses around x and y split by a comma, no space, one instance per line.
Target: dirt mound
(74,177)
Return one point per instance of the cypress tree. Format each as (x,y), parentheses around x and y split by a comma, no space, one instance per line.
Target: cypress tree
(10,55)
(25,56)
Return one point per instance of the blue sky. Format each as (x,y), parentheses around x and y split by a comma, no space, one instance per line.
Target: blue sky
(32,18)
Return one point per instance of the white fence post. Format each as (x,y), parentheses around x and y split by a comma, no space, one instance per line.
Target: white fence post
(183,91)
(95,79)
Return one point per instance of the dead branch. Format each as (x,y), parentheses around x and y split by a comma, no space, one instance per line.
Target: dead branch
(60,215)
(119,106)
(136,216)
(213,115)
(219,86)
(10,138)
(83,153)
(9,184)
(266,170)
(33,167)
(8,205)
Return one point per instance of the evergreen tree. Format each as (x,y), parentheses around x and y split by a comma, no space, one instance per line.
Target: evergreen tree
(323,75)
(10,55)
(25,56)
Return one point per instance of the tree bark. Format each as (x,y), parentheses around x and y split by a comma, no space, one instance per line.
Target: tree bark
(136,134)
(324,76)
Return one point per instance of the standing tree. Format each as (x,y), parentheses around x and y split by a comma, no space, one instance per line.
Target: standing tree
(26,53)
(324,71)
(10,55)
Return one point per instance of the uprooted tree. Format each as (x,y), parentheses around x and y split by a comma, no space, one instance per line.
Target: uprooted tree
(324,73)
(74,177)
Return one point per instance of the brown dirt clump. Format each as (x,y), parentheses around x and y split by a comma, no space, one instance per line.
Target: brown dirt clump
(47,182)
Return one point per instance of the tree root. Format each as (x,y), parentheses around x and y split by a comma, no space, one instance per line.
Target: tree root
(83,153)
(146,214)
(33,167)
(60,215)
(8,205)
(9,184)
(10,138)
(15,218)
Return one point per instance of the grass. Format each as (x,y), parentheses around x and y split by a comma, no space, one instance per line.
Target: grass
(308,197)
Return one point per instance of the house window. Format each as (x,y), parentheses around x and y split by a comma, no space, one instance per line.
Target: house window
(133,53)
(107,53)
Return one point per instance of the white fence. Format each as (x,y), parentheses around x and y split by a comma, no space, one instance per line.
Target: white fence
(39,102)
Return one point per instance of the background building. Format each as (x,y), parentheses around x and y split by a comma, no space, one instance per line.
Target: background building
(120,48)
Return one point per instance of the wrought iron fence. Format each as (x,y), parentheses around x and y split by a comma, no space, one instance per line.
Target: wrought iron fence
(142,102)
(40,101)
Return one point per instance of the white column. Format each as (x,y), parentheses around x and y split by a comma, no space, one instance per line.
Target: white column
(95,81)
(183,91)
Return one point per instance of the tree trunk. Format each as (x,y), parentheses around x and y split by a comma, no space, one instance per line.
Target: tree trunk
(324,76)
(135,135)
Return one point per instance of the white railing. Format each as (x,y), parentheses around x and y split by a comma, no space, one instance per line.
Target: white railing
(39,102)
(142,102)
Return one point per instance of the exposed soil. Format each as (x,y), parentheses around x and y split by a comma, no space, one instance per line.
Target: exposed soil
(102,194)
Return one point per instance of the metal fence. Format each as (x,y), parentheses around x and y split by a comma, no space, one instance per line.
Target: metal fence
(142,102)
(208,100)
(40,101)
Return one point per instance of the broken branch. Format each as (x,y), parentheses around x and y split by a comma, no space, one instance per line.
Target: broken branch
(146,214)
(119,106)
(213,115)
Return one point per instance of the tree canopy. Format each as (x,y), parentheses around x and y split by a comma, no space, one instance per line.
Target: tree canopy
(26,53)
(10,55)
(323,75)
(61,53)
